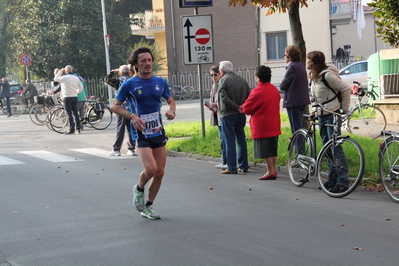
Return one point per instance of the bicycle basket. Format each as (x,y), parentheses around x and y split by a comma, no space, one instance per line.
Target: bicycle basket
(361,92)
(39,99)
(99,106)
(49,100)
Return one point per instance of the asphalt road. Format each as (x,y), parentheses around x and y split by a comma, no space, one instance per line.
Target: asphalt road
(63,201)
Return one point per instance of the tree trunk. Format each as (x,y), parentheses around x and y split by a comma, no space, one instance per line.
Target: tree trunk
(296,29)
(297,39)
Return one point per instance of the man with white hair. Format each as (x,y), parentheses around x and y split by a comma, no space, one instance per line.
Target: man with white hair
(125,72)
(70,87)
(233,91)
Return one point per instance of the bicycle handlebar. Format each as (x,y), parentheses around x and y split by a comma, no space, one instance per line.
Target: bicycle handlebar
(319,105)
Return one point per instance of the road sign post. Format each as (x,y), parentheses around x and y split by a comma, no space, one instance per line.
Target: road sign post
(197,39)
(26,61)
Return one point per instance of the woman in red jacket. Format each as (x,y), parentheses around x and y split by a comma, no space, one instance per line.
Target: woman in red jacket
(263,105)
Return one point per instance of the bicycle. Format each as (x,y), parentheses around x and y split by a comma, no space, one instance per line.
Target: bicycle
(17,107)
(365,117)
(182,91)
(389,164)
(302,161)
(97,115)
(38,112)
(203,57)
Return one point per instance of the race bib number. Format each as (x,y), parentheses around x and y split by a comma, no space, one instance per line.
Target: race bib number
(152,123)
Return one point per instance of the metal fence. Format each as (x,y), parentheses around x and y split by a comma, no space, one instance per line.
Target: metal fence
(98,88)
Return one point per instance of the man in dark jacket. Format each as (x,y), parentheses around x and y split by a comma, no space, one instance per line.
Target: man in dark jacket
(5,92)
(233,91)
(29,93)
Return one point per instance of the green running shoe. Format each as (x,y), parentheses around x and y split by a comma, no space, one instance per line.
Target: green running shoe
(138,199)
(150,214)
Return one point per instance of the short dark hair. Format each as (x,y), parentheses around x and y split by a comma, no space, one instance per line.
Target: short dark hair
(263,73)
(134,57)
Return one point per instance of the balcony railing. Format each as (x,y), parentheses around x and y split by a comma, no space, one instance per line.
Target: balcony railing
(341,11)
(150,20)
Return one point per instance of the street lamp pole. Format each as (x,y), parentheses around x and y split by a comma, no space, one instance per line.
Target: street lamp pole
(106,49)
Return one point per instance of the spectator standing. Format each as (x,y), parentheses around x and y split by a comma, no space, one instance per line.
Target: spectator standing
(263,105)
(122,123)
(29,92)
(5,92)
(70,87)
(321,93)
(295,87)
(144,92)
(81,101)
(56,92)
(215,118)
(233,91)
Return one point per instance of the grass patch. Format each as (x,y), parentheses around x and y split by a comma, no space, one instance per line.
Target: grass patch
(187,137)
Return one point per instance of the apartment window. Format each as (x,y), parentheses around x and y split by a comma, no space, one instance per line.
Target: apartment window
(275,45)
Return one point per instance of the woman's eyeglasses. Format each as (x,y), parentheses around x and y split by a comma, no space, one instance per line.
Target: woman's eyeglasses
(214,75)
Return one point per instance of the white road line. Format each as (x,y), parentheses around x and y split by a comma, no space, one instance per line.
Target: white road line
(103,153)
(8,161)
(50,156)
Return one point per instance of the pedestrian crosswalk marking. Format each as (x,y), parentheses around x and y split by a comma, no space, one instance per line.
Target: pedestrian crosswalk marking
(50,156)
(9,161)
(103,153)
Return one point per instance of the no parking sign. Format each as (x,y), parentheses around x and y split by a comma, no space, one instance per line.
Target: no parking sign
(25,59)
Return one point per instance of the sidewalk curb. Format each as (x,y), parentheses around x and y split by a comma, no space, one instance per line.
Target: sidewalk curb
(252,165)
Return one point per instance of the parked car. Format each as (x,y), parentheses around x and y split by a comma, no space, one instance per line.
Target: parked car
(355,72)
(16,90)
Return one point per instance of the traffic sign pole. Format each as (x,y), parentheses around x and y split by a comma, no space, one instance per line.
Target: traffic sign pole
(198,48)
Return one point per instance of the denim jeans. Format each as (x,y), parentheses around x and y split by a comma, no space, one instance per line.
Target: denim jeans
(295,115)
(71,108)
(222,146)
(336,175)
(233,131)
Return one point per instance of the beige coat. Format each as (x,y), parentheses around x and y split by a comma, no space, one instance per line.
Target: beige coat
(321,93)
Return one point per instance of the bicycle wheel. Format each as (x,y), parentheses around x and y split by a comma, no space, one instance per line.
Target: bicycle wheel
(48,116)
(38,114)
(99,116)
(389,167)
(17,108)
(58,120)
(301,153)
(346,160)
(188,92)
(367,120)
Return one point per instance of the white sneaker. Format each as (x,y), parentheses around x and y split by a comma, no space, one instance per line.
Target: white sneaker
(221,166)
(131,153)
(114,153)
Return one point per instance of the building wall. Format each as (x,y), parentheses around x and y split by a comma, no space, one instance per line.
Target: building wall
(233,34)
(315,22)
(367,45)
